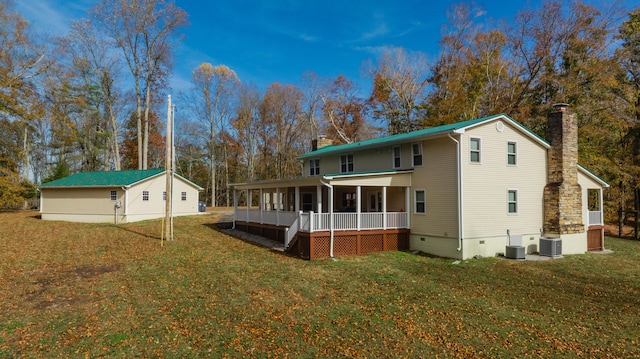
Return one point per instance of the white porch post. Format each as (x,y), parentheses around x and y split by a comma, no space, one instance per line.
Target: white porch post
(319,198)
(601,207)
(235,205)
(277,203)
(248,203)
(331,220)
(384,207)
(407,205)
(358,206)
(261,204)
(297,199)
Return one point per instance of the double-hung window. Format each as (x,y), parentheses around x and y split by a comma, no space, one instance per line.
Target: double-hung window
(114,195)
(183,196)
(512,153)
(314,167)
(145,195)
(346,163)
(420,201)
(512,201)
(396,156)
(474,150)
(417,154)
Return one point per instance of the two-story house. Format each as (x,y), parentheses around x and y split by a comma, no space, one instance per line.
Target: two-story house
(473,188)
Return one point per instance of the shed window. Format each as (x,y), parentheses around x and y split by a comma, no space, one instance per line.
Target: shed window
(512,153)
(396,157)
(314,167)
(183,196)
(164,195)
(512,201)
(346,163)
(417,154)
(114,195)
(420,201)
(474,150)
(145,195)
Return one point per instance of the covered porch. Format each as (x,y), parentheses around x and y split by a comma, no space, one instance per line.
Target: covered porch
(330,215)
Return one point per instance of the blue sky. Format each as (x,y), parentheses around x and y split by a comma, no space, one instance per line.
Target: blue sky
(278,40)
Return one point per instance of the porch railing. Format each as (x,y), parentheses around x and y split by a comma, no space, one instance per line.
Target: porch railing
(313,222)
(595,218)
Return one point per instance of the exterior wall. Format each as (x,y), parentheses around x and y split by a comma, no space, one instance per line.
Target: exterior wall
(93,205)
(438,177)
(373,159)
(90,205)
(486,185)
(139,210)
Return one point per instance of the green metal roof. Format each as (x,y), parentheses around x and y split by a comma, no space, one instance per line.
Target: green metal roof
(103,179)
(414,135)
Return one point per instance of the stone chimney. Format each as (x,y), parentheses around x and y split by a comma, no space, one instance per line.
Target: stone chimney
(322,141)
(562,194)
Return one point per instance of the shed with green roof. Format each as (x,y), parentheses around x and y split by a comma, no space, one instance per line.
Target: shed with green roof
(116,196)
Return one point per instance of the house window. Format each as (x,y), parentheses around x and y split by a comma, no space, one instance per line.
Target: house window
(314,167)
(349,200)
(396,157)
(417,154)
(511,153)
(512,201)
(114,195)
(145,195)
(420,201)
(183,196)
(346,163)
(474,148)
(164,195)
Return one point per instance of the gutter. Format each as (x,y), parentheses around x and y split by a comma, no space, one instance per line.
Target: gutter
(330,186)
(460,209)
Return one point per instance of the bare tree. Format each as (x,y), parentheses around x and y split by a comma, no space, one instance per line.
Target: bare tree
(144,30)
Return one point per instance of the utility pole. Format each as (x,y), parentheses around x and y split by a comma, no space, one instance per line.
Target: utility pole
(168,227)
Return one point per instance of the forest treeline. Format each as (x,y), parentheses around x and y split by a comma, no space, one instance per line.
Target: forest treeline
(95,99)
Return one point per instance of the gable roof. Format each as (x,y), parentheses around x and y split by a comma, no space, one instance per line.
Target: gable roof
(426,132)
(124,178)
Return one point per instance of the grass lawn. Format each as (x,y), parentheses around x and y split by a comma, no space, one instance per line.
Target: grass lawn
(96,290)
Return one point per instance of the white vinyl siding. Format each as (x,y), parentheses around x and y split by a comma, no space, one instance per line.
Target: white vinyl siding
(485,187)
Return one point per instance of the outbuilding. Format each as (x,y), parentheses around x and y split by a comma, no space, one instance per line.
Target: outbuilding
(116,196)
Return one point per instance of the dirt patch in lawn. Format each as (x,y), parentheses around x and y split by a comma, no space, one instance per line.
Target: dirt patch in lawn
(55,290)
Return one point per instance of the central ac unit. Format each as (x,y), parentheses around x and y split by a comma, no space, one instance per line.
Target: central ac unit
(551,247)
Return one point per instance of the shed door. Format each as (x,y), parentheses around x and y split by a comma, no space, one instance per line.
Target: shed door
(595,238)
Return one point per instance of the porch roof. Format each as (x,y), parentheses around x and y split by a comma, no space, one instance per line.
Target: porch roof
(391,178)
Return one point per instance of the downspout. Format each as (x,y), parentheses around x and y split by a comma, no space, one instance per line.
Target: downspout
(126,203)
(330,186)
(460,212)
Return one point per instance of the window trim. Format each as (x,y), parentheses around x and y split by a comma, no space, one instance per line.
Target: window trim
(346,167)
(415,201)
(414,155)
(315,169)
(510,202)
(478,151)
(145,196)
(395,157)
(514,154)
(113,195)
